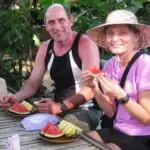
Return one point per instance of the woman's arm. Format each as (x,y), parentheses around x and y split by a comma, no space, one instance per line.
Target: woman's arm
(140,110)
(105,102)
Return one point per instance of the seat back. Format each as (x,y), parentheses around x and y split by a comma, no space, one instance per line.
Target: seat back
(3,87)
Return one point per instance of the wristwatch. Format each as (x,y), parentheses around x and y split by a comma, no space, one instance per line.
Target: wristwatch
(123,100)
(63,106)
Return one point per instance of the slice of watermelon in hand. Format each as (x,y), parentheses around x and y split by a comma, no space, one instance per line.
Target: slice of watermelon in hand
(18,108)
(95,71)
(51,131)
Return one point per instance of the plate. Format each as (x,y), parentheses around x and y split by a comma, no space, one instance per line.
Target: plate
(16,114)
(25,103)
(62,139)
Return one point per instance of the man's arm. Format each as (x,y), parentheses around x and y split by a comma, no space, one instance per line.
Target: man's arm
(33,83)
(89,54)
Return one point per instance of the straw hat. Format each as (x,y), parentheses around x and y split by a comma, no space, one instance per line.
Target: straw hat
(121,17)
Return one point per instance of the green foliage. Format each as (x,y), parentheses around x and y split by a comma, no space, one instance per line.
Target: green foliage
(16,39)
(47,3)
(15,33)
(91,13)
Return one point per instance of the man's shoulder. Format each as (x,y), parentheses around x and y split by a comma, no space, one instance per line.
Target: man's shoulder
(46,43)
(85,37)
(43,49)
(85,41)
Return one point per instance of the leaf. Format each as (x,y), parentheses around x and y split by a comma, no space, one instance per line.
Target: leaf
(46,3)
(36,40)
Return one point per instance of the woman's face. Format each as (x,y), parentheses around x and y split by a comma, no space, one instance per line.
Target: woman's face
(120,39)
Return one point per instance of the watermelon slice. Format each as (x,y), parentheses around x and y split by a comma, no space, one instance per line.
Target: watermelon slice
(95,71)
(19,108)
(51,131)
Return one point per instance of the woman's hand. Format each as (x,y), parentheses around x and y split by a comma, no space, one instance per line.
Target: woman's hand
(111,87)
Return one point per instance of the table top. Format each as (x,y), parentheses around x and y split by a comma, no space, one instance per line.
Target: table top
(32,141)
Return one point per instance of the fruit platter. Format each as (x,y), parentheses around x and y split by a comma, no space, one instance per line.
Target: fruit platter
(64,132)
(20,109)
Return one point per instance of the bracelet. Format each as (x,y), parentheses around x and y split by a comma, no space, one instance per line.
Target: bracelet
(63,106)
(123,100)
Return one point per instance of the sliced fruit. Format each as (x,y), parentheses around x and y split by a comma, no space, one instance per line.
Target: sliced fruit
(69,129)
(95,71)
(36,102)
(27,105)
(18,108)
(52,131)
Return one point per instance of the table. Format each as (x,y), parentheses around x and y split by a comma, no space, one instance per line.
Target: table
(31,140)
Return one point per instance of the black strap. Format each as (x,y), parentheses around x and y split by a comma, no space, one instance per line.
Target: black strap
(122,82)
(50,47)
(124,76)
(75,50)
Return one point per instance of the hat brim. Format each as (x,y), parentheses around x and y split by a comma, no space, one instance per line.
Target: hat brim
(98,36)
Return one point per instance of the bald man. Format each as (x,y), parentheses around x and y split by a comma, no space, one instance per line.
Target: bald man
(65,56)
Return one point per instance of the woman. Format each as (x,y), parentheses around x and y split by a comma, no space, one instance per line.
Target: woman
(123,36)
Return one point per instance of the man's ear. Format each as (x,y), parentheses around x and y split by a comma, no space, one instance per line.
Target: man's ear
(71,20)
(46,27)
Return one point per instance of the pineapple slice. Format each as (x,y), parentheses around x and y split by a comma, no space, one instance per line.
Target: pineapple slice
(27,105)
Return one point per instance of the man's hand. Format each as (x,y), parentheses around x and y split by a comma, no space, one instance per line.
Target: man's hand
(88,79)
(47,105)
(6,101)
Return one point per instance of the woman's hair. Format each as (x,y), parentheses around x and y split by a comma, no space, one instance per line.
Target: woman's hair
(130,26)
(133,28)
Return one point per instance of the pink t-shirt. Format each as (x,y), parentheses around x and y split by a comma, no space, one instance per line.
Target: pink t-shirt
(138,79)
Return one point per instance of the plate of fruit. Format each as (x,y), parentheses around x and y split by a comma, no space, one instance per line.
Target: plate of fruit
(64,132)
(20,109)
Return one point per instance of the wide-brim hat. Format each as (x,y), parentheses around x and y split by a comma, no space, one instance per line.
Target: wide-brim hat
(119,17)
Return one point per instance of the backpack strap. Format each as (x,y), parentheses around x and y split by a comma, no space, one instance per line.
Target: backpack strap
(124,76)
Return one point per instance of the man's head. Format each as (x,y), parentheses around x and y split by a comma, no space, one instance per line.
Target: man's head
(58,22)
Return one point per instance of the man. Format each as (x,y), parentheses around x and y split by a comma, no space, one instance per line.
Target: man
(65,56)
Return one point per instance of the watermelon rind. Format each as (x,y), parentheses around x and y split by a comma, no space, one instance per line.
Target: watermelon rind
(21,113)
(50,135)
(15,108)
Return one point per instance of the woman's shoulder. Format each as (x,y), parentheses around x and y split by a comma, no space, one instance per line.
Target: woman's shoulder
(144,60)
(145,57)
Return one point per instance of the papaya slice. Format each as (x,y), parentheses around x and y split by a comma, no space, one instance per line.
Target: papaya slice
(95,71)
(51,131)
(18,108)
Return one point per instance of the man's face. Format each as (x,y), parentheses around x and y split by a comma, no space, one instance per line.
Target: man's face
(58,24)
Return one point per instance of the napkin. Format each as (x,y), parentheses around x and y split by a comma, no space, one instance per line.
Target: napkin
(38,121)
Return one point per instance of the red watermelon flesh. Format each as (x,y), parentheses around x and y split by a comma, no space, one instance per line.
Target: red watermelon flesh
(19,108)
(52,131)
(95,71)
